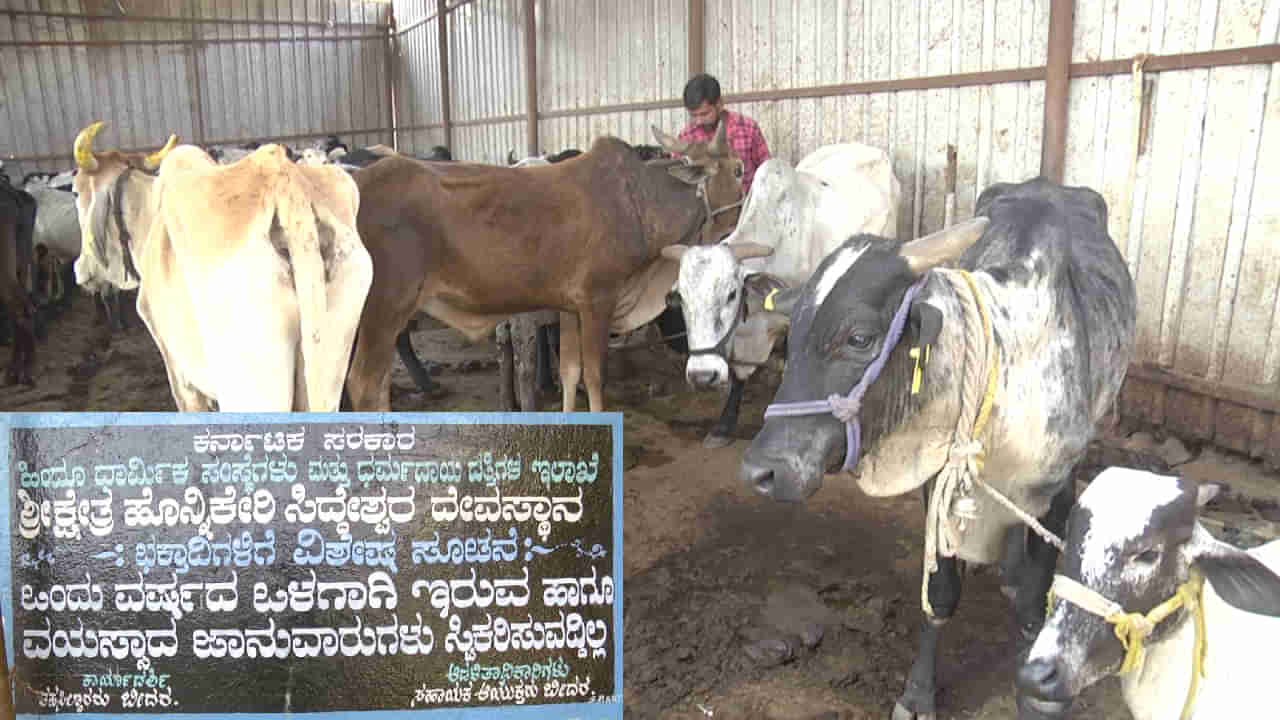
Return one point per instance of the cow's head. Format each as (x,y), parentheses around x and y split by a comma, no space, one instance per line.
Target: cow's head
(103,257)
(838,327)
(716,169)
(1132,538)
(711,290)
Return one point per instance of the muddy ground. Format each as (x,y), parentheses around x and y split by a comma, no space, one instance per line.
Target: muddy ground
(710,566)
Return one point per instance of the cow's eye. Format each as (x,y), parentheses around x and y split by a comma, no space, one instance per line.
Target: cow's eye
(1147,557)
(733,295)
(737,171)
(860,342)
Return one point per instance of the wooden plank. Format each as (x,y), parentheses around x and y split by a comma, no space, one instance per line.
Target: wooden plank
(1185,415)
(941,40)
(1205,293)
(1233,427)
(1270,448)
(1261,398)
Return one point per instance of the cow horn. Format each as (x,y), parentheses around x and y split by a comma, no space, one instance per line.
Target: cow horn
(84,147)
(152,161)
(926,253)
(720,145)
(748,250)
(669,143)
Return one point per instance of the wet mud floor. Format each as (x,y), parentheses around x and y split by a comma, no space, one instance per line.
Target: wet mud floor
(735,606)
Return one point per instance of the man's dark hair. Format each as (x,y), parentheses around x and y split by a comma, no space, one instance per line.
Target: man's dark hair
(701,88)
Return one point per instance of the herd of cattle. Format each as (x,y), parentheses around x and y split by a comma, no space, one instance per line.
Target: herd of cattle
(973,364)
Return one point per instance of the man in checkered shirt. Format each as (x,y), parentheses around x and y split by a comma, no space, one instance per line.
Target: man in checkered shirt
(706,109)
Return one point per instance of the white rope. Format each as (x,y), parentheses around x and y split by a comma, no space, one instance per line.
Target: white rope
(963,468)
(942,535)
(1084,597)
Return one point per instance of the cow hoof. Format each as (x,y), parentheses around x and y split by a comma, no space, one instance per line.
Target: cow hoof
(902,713)
(715,441)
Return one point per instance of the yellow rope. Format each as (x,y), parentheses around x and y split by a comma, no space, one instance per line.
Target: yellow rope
(989,398)
(1132,629)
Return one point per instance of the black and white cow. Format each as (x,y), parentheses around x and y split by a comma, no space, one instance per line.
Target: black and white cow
(1062,311)
(1133,538)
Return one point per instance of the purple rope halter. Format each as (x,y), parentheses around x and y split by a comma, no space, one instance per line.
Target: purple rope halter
(846,408)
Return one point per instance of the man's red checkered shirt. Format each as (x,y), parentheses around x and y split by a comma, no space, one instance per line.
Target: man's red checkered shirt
(744,137)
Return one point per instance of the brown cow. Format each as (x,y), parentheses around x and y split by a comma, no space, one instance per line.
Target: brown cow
(472,245)
(17,223)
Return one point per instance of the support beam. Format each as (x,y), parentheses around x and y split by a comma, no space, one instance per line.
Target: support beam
(697,36)
(531,73)
(442,38)
(1057,85)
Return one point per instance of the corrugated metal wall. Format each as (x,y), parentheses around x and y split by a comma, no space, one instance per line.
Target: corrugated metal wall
(212,72)
(755,45)
(419,108)
(1195,216)
(487,80)
(598,54)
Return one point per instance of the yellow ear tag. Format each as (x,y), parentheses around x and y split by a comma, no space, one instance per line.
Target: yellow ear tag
(768,300)
(917,375)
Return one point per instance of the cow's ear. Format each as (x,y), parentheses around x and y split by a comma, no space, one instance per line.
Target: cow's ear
(761,284)
(783,301)
(1239,578)
(928,252)
(926,323)
(691,174)
(669,143)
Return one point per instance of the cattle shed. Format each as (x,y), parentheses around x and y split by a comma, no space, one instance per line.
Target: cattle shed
(1170,109)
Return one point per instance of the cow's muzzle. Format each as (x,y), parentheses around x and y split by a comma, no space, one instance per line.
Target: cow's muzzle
(785,478)
(706,371)
(1042,690)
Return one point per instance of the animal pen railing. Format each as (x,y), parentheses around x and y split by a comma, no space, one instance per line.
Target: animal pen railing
(962,93)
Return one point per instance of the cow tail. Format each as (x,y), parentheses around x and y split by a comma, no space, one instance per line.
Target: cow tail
(297,219)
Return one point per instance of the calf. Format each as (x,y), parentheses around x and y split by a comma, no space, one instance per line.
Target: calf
(1014,346)
(792,219)
(1134,540)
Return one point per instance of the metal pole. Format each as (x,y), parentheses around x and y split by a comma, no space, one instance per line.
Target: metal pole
(697,36)
(531,73)
(442,30)
(1057,83)
(391,74)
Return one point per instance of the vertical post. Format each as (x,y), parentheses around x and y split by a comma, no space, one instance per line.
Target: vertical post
(442,37)
(391,73)
(1057,83)
(531,73)
(697,36)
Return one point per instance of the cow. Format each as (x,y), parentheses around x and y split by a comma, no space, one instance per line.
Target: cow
(1017,328)
(1133,543)
(250,277)
(58,229)
(791,220)
(17,225)
(472,245)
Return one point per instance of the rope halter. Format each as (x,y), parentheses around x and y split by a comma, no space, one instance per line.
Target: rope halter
(1132,629)
(845,409)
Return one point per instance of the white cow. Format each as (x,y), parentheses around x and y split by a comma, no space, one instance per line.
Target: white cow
(1133,539)
(792,219)
(251,277)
